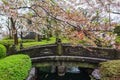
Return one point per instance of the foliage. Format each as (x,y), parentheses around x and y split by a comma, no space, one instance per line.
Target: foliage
(109,70)
(50,16)
(43,42)
(31,42)
(11,41)
(15,67)
(117,30)
(117,40)
(6,42)
(2,51)
(105,20)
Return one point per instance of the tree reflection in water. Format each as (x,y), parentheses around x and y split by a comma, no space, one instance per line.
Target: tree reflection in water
(72,73)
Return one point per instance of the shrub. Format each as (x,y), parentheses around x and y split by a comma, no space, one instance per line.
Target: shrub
(117,40)
(15,67)
(110,70)
(117,30)
(11,41)
(2,51)
(6,42)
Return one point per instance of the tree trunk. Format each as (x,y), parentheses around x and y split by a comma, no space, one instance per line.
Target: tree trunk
(9,29)
(36,37)
(14,31)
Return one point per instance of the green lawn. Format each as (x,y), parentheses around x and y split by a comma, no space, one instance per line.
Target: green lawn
(43,42)
(11,41)
(31,42)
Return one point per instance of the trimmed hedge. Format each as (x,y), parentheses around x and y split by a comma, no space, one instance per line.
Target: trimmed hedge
(110,70)
(11,41)
(2,51)
(15,67)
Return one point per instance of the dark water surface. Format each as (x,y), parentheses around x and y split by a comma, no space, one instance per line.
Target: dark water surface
(68,76)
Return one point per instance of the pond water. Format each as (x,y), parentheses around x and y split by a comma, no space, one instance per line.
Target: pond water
(72,73)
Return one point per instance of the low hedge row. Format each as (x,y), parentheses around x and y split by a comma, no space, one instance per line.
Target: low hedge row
(2,51)
(8,43)
(15,67)
(11,41)
(110,70)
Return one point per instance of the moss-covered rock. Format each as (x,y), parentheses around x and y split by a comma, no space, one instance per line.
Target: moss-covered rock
(15,67)
(110,70)
(2,51)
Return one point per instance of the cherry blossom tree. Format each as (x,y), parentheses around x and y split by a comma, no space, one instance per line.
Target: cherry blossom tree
(75,19)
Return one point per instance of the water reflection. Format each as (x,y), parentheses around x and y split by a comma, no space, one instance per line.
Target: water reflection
(73,70)
(71,73)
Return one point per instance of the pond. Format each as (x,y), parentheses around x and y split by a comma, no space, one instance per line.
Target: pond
(67,73)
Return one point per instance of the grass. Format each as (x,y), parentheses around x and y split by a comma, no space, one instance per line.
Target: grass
(11,41)
(30,42)
(6,42)
(43,42)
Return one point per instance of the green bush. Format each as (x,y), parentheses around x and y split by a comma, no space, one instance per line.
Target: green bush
(2,51)
(117,30)
(15,67)
(11,41)
(117,40)
(110,70)
(6,42)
